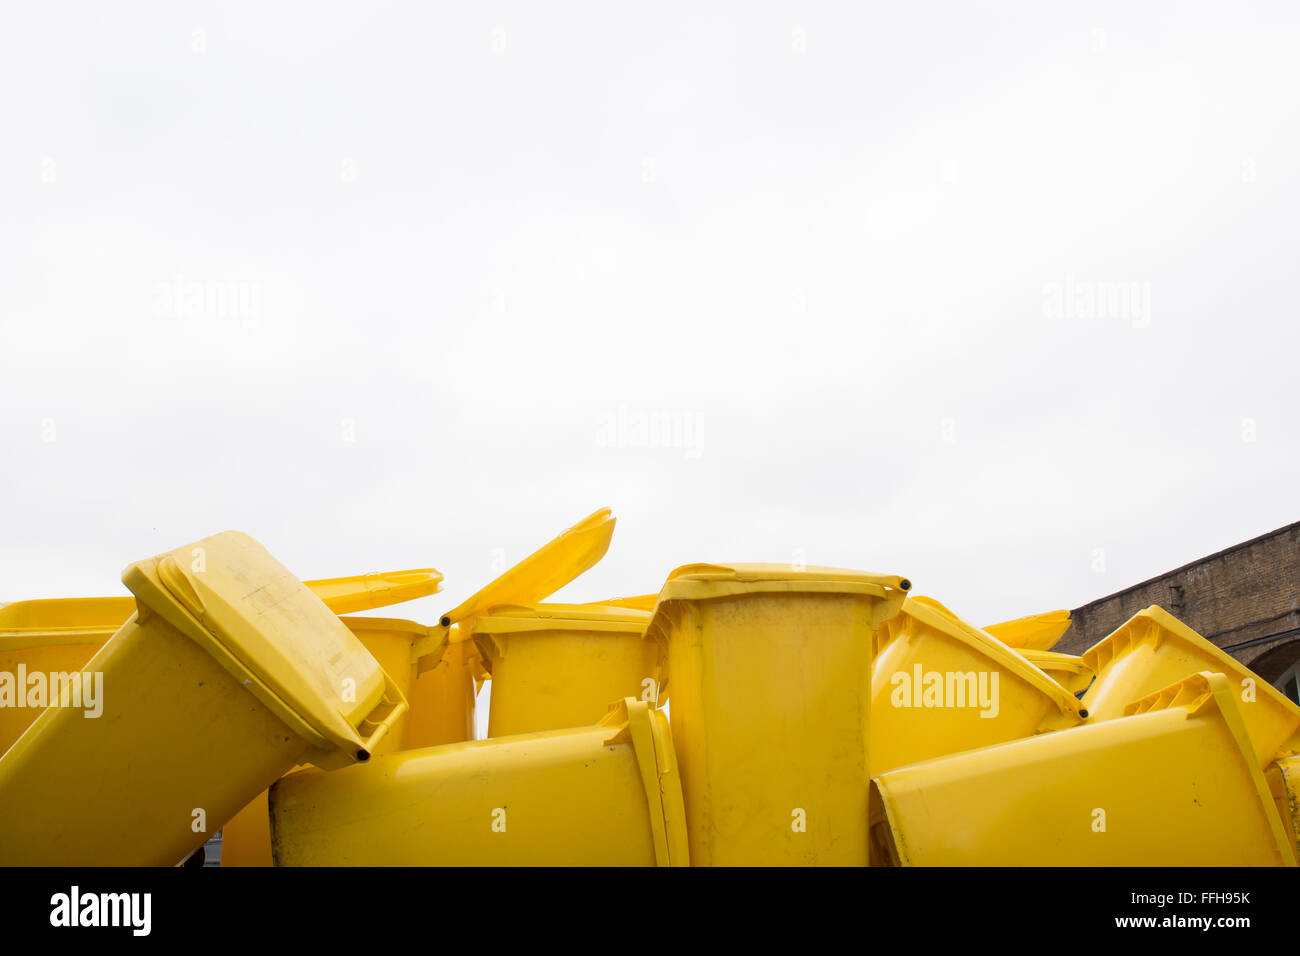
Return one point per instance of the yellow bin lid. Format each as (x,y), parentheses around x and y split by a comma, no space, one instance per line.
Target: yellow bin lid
(271,632)
(1037,632)
(545,571)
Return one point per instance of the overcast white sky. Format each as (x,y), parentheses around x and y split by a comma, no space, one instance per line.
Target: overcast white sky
(391,286)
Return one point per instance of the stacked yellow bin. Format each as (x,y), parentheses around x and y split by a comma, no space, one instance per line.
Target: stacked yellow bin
(819,716)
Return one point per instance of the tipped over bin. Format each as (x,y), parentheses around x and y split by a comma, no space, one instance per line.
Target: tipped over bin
(1174,783)
(559,665)
(1153,649)
(230,672)
(603,795)
(768,669)
(246,837)
(940,686)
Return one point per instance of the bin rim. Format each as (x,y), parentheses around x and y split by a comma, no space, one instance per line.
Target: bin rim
(545,571)
(704,582)
(934,614)
(54,637)
(1154,623)
(163,587)
(524,618)
(122,603)
(1054,659)
(364,622)
(638,602)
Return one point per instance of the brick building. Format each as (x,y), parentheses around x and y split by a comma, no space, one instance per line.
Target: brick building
(1245,599)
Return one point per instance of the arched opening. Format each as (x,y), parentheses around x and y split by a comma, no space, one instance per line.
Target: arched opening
(1280,666)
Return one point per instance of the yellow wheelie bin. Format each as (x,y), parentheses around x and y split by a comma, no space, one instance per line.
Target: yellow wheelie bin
(1173,783)
(230,672)
(769,672)
(1153,649)
(559,665)
(940,686)
(603,795)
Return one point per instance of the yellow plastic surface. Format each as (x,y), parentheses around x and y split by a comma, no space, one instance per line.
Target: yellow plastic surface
(940,686)
(1037,632)
(1153,649)
(61,614)
(769,670)
(442,700)
(1069,671)
(441,710)
(1283,777)
(1173,784)
(545,571)
(559,665)
(211,692)
(35,652)
(605,795)
(641,602)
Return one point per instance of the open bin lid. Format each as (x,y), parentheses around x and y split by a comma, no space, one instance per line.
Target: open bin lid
(272,633)
(545,571)
(1037,632)
(363,592)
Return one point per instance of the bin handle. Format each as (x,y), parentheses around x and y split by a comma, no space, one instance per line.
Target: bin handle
(393,696)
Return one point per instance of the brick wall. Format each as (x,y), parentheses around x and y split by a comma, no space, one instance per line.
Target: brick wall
(1248,595)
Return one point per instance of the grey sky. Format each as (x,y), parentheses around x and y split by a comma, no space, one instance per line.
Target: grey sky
(998,297)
